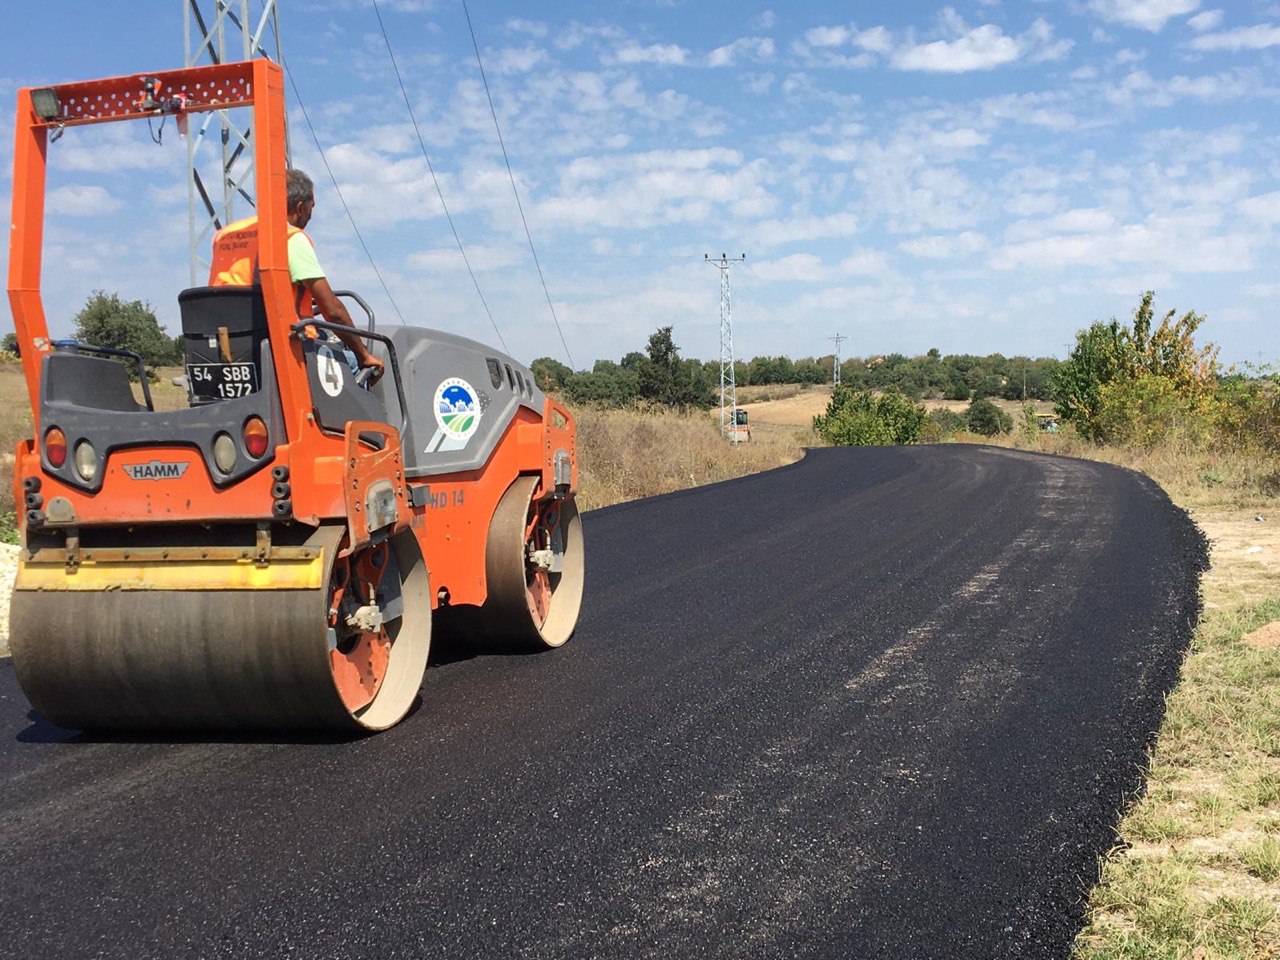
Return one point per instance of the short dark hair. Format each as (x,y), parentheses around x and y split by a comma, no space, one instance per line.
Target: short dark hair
(300,187)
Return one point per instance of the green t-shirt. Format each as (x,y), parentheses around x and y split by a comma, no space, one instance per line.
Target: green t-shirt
(303,264)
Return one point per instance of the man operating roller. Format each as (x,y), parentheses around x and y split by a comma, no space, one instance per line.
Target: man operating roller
(235,263)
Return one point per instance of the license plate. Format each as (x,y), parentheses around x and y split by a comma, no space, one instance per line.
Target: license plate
(221,381)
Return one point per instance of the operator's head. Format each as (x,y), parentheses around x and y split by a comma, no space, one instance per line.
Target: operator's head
(302,197)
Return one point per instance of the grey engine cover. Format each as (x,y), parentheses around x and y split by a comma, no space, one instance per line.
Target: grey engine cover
(427,359)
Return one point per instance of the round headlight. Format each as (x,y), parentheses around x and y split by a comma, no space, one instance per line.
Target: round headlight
(86,460)
(224,452)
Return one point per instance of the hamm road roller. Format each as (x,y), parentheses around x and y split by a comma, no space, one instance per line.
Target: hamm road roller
(271,557)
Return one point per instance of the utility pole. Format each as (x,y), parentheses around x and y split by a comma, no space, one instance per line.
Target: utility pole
(221,31)
(838,339)
(728,383)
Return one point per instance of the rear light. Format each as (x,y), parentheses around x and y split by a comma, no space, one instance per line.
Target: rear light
(255,437)
(86,460)
(55,447)
(224,452)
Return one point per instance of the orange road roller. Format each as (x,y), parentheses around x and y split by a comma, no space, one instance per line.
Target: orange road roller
(271,557)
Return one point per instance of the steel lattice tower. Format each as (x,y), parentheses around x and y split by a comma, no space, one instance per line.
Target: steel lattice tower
(728,382)
(218,31)
(838,339)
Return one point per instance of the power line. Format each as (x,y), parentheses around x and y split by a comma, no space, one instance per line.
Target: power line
(512,176)
(337,189)
(439,192)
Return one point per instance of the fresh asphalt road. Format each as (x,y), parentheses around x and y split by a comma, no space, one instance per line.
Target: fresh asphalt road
(882,703)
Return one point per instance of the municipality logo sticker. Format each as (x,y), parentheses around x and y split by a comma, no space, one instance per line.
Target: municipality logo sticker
(457,408)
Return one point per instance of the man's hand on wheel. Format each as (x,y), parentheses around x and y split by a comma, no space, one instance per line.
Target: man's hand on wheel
(374,366)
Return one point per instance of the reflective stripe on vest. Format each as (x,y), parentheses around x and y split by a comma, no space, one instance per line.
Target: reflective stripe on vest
(235,261)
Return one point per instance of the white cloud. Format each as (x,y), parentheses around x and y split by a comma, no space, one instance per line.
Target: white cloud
(943,247)
(516,59)
(665,54)
(1149,15)
(1209,20)
(1200,248)
(756,48)
(792,229)
(827,36)
(981,48)
(866,262)
(81,201)
(534,28)
(1243,38)
(447,259)
(1264,208)
(798,266)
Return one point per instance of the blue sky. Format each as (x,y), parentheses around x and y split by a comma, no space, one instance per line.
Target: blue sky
(978,176)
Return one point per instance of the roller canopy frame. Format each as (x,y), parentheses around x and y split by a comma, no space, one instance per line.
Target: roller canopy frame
(255,84)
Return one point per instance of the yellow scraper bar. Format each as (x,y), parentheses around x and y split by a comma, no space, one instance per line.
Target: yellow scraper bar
(292,574)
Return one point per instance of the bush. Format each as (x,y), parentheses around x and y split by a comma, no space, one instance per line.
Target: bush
(1107,353)
(859,418)
(985,418)
(948,421)
(1143,411)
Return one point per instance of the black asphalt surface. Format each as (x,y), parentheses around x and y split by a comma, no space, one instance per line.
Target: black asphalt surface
(882,703)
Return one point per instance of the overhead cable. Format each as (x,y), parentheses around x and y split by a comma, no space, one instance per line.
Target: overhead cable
(434,179)
(338,190)
(512,176)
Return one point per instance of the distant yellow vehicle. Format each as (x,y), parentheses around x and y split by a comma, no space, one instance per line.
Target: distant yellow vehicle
(739,431)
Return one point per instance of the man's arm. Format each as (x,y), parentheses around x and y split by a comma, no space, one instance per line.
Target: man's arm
(335,311)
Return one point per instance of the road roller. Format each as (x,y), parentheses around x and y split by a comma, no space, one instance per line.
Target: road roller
(273,556)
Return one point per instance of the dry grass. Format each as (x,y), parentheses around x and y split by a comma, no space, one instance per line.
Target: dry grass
(628,454)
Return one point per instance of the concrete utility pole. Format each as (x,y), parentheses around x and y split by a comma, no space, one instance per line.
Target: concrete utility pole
(838,339)
(219,31)
(728,383)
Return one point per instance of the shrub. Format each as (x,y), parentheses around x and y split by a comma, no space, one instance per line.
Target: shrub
(1107,353)
(985,418)
(859,418)
(1144,410)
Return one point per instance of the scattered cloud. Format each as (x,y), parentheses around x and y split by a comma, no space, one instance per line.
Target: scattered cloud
(960,50)
(944,247)
(81,201)
(1209,20)
(664,54)
(1242,38)
(1150,15)
(745,48)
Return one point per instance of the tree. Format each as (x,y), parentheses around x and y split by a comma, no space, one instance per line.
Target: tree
(1113,352)
(860,418)
(665,379)
(549,374)
(107,321)
(985,418)
(10,343)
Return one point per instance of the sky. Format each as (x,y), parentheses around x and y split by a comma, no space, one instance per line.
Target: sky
(977,177)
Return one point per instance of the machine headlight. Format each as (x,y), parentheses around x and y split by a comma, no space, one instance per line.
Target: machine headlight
(224,452)
(86,460)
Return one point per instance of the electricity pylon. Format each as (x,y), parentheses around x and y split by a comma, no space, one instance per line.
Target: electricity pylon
(728,383)
(838,339)
(218,31)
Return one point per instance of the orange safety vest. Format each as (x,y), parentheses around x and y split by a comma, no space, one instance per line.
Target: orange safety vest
(235,261)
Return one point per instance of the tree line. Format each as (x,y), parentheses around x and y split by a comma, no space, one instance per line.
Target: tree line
(660,375)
